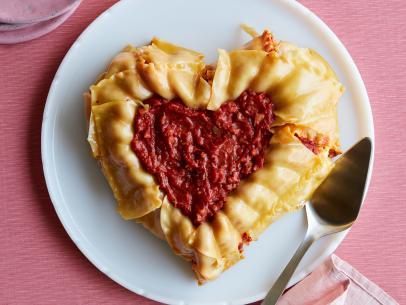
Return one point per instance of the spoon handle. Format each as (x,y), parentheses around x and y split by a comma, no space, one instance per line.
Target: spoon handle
(283,279)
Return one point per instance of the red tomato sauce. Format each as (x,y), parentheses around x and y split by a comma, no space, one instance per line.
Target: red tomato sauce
(199,156)
(316,146)
(311,145)
(245,239)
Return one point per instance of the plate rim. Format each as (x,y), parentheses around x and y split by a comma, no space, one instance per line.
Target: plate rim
(54,188)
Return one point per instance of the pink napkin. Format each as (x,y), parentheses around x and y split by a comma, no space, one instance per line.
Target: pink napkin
(336,283)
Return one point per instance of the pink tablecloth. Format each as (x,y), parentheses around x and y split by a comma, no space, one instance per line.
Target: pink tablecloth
(38,262)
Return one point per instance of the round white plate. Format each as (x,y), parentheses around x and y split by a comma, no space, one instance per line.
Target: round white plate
(125,251)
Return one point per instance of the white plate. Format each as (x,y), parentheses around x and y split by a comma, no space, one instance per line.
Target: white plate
(125,251)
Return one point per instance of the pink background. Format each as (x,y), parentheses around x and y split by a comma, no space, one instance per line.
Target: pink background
(38,262)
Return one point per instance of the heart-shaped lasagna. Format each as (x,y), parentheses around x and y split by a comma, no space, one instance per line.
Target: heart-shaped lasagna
(208,156)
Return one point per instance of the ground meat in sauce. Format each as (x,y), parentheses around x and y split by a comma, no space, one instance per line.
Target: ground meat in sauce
(318,146)
(245,239)
(312,145)
(199,156)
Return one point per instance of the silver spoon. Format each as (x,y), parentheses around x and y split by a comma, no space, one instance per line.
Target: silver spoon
(333,208)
